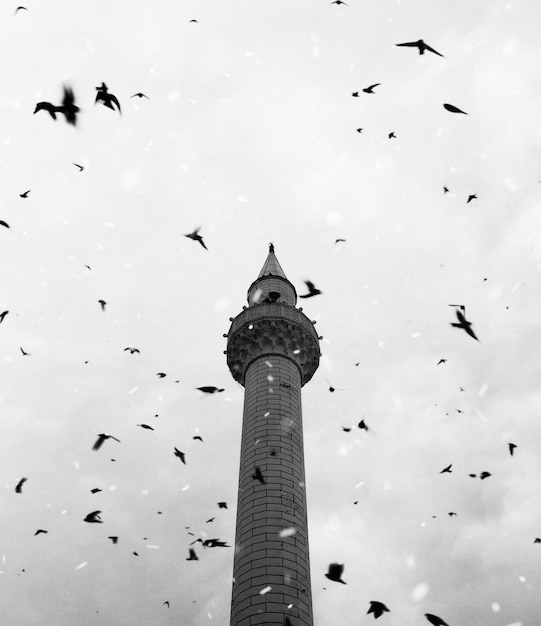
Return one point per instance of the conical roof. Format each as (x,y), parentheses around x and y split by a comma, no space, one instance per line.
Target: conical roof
(271,267)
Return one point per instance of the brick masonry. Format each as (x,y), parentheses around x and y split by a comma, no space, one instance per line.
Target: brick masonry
(271,572)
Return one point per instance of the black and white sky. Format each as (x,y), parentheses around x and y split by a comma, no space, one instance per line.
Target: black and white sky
(250,131)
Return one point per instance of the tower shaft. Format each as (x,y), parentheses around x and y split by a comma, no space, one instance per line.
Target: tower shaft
(266,556)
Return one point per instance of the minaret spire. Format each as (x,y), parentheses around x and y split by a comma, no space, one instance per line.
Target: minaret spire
(272,350)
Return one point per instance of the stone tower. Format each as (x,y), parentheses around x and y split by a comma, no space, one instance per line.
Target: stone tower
(272,350)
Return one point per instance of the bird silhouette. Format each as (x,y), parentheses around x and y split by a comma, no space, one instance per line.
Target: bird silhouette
(453,109)
(102,437)
(102,303)
(109,100)
(145,426)
(537,540)
(420,45)
(167,603)
(96,490)
(114,539)
(93,518)
(81,167)
(193,556)
(161,374)
(359,130)
(140,95)
(447,469)
(222,505)
(4,224)
(210,389)
(391,135)
(258,475)
(463,322)
(377,608)
(23,351)
(197,237)
(339,240)
(40,531)
(512,447)
(25,193)
(471,197)
(19,485)
(132,350)
(484,475)
(68,107)
(312,290)
(435,620)
(335,572)
(370,88)
(210,520)
(441,361)
(3,315)
(198,437)
(181,455)
(20,8)
(339,2)
(445,190)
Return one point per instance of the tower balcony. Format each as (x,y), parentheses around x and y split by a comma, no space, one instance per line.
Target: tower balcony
(267,329)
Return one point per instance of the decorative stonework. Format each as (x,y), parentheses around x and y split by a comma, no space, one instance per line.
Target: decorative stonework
(268,329)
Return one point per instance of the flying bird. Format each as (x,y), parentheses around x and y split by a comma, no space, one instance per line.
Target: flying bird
(132,350)
(339,2)
(114,539)
(109,100)
(2,315)
(181,455)
(198,437)
(363,426)
(25,193)
(222,505)
(19,486)
(453,109)
(23,351)
(339,240)
(345,429)
(40,531)
(463,322)
(471,197)
(68,107)
(197,237)
(370,88)
(441,361)
(102,437)
(512,447)
(4,224)
(435,620)
(484,475)
(377,608)
(335,572)
(312,290)
(210,520)
(96,490)
(258,475)
(140,95)
(166,602)
(193,556)
(93,518)
(215,543)
(161,374)
(445,190)
(102,303)
(391,135)
(210,389)
(20,8)
(81,167)
(145,426)
(420,45)
(447,469)
(537,540)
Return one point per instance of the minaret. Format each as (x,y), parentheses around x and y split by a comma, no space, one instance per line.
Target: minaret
(272,350)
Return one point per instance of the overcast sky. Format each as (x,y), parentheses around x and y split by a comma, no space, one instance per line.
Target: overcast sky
(250,131)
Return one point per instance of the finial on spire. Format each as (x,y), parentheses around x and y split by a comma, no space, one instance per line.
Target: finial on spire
(271,247)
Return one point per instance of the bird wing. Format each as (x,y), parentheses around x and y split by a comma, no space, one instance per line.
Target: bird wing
(409,44)
(427,47)
(2,223)
(114,99)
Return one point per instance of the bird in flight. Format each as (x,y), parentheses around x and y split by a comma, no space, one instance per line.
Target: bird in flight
(471,197)
(447,469)
(109,99)
(512,447)
(40,531)
(222,505)
(81,167)
(193,556)
(93,518)
(4,224)
(145,426)
(102,303)
(391,135)
(181,455)
(420,45)
(435,620)
(25,193)
(19,486)
(335,572)
(114,539)
(23,351)
(161,374)
(102,437)
(20,8)
(463,322)
(453,109)
(210,389)
(339,2)
(441,361)
(312,290)
(2,315)
(132,350)
(370,88)
(484,475)
(68,107)
(258,475)
(197,237)
(140,95)
(339,240)
(377,608)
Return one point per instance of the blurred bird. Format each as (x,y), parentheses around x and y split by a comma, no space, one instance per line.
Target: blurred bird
(435,620)
(339,240)
(145,426)
(197,237)
(193,556)
(451,514)
(471,197)
(445,190)
(222,505)
(339,2)
(258,475)
(19,486)
(453,109)
(102,303)
(2,315)
(198,437)
(463,322)
(210,389)
(271,297)
(161,374)
(109,100)
(345,429)
(447,469)
(167,603)
(4,224)
(102,437)
(20,8)
(377,608)
(359,130)
(537,540)
(441,361)
(420,45)
(68,107)
(391,135)
(81,167)
(40,531)
(484,475)
(114,539)
(25,194)
(23,351)
(312,290)
(512,446)
(363,425)
(93,518)
(210,520)
(370,88)
(132,350)
(181,455)
(96,490)
(335,572)
(140,95)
